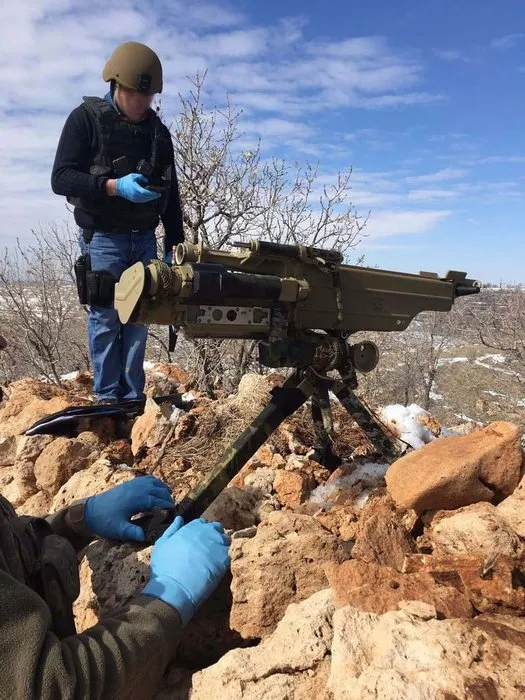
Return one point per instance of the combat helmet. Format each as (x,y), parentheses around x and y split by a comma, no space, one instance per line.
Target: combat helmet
(136,67)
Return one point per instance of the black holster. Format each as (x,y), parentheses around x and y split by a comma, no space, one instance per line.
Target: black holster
(94,288)
(82,266)
(100,288)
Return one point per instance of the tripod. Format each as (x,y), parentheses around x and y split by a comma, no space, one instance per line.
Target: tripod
(316,356)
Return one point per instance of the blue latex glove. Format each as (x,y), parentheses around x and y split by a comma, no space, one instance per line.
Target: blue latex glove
(108,514)
(187,564)
(129,187)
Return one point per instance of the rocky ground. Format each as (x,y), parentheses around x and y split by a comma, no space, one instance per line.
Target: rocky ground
(374,581)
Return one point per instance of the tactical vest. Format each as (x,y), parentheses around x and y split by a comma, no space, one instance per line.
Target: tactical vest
(47,563)
(121,147)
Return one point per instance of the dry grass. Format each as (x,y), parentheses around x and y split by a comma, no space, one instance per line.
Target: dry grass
(346,438)
(221,422)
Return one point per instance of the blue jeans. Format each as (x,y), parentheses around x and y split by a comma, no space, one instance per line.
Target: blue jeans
(117,349)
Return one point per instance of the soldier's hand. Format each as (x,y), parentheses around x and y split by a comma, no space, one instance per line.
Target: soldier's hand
(187,564)
(108,514)
(129,187)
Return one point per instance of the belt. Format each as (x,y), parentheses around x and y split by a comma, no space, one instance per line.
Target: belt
(88,233)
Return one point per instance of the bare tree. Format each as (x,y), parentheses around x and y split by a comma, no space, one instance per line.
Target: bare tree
(413,360)
(499,319)
(39,311)
(229,194)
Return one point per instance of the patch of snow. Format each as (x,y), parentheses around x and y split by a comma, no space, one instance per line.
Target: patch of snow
(361,501)
(447,432)
(494,393)
(467,419)
(435,396)
(521,403)
(69,377)
(148,364)
(370,474)
(188,397)
(124,467)
(175,415)
(510,373)
(403,420)
(498,358)
(451,360)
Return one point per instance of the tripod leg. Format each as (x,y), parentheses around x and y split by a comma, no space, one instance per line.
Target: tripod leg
(285,401)
(380,439)
(321,417)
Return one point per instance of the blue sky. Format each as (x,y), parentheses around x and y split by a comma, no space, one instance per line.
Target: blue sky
(424,99)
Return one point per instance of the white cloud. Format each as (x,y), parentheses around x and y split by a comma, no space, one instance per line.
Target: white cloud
(428,194)
(449,55)
(509,41)
(439,176)
(490,160)
(399,223)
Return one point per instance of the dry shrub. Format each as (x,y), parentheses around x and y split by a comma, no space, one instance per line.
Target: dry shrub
(221,422)
(346,437)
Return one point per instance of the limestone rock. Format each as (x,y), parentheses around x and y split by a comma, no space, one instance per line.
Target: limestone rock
(7,450)
(160,384)
(97,478)
(400,656)
(512,509)
(119,452)
(92,440)
(292,663)
(29,400)
(38,505)
(30,447)
(23,485)
(381,537)
(7,475)
(456,471)
(341,520)
(262,458)
(278,461)
(151,428)
(293,488)
(235,508)
(110,575)
(288,435)
(208,635)
(186,424)
(283,564)
(59,461)
(173,372)
(260,482)
(375,588)
(478,528)
(493,584)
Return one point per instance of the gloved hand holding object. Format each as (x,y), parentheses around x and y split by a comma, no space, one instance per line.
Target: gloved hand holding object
(187,564)
(108,514)
(129,187)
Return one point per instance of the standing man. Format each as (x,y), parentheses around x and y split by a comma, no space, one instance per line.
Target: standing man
(115,164)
